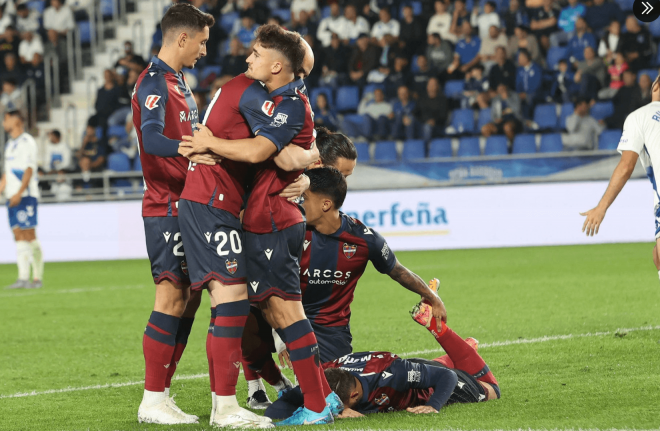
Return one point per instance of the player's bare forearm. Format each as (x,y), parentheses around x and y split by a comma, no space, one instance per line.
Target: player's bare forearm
(294,158)
(414,283)
(3,183)
(25,181)
(620,177)
(252,150)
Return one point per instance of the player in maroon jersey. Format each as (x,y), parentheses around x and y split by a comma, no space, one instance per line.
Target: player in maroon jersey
(163,111)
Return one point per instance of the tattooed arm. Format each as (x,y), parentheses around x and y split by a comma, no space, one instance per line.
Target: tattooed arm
(414,283)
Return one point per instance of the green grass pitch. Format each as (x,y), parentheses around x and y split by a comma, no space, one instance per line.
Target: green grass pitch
(85,329)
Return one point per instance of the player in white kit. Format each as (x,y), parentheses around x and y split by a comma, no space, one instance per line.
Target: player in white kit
(19,183)
(640,140)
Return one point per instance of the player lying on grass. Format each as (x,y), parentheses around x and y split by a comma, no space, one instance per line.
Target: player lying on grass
(381,382)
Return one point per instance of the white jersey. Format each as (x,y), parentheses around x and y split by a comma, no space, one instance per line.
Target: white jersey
(21,154)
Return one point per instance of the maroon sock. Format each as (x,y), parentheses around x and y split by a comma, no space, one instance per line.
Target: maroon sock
(324,383)
(248,372)
(270,372)
(461,353)
(209,349)
(182,333)
(230,320)
(158,346)
(304,353)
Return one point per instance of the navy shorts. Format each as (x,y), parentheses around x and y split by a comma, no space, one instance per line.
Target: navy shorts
(214,244)
(273,263)
(334,341)
(23,215)
(165,250)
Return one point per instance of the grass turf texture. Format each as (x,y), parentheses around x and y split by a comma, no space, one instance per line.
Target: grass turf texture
(85,328)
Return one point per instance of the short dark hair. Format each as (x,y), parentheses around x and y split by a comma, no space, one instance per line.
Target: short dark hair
(185,16)
(492,4)
(329,182)
(524,52)
(56,133)
(580,100)
(10,81)
(287,43)
(341,382)
(332,146)
(14,112)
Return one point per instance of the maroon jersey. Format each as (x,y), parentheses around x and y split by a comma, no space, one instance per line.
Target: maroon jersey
(292,122)
(162,96)
(238,109)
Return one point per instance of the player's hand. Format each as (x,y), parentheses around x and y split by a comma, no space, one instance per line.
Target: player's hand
(284,358)
(185,150)
(15,200)
(594,218)
(421,410)
(439,310)
(349,413)
(204,159)
(294,190)
(199,143)
(202,130)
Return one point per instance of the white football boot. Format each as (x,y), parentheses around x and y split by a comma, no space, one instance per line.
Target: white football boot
(240,418)
(163,413)
(170,401)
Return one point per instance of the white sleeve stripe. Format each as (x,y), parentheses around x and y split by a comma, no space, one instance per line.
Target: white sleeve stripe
(208,110)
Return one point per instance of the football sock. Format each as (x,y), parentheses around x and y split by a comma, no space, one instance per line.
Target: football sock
(182,333)
(437,330)
(158,346)
(324,383)
(23,257)
(270,372)
(37,260)
(209,350)
(254,386)
(230,320)
(304,352)
(249,373)
(658,274)
(461,353)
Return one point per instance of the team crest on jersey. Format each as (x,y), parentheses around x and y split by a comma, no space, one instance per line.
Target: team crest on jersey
(184,267)
(152,102)
(349,250)
(176,88)
(279,120)
(382,400)
(231,265)
(268,107)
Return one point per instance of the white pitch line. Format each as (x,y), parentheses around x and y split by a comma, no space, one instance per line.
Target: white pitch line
(418,352)
(46,291)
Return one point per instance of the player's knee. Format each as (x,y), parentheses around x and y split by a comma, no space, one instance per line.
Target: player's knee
(656,258)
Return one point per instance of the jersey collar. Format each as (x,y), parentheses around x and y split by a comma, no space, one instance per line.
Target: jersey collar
(366,390)
(290,86)
(160,63)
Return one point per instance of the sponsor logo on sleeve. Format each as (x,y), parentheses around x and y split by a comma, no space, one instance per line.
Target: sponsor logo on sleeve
(385,251)
(268,108)
(414,376)
(279,120)
(152,102)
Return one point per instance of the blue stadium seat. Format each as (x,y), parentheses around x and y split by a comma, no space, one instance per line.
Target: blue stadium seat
(555,54)
(362,151)
(325,90)
(413,149)
(496,146)
(454,88)
(485,117)
(370,88)
(468,147)
(385,151)
(416,7)
(325,12)
(463,121)
(546,116)
(602,110)
(609,139)
(348,98)
(524,144)
(652,73)
(285,14)
(227,21)
(440,148)
(551,143)
(566,111)
(118,131)
(106,8)
(137,164)
(37,5)
(625,5)
(654,28)
(119,162)
(414,68)
(657,56)
(84,27)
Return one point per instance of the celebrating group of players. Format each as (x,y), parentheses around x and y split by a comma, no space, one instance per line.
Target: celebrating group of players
(226,191)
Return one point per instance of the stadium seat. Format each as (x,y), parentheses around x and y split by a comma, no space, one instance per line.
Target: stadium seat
(325,90)
(385,151)
(463,121)
(625,5)
(106,8)
(496,146)
(602,110)
(227,21)
(609,139)
(285,14)
(119,162)
(137,164)
(469,147)
(362,151)
(546,116)
(413,149)
(654,28)
(416,7)
(555,54)
(414,68)
(370,88)
(325,12)
(485,117)
(524,144)
(652,73)
(348,98)
(551,143)
(118,131)
(566,111)
(440,148)
(454,88)
(37,5)
(84,27)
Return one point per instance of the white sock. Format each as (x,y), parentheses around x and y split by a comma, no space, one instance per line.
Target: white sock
(37,260)
(226,404)
(282,384)
(152,398)
(167,392)
(23,255)
(254,386)
(658,273)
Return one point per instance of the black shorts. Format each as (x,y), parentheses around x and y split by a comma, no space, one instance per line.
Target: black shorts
(334,341)
(467,390)
(273,263)
(214,244)
(165,250)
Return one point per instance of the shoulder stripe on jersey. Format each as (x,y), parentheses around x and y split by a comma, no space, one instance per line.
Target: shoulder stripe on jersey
(210,108)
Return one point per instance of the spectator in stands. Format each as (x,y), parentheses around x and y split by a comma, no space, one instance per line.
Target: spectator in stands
(514,17)
(411,36)
(107,98)
(502,72)
(636,44)
(609,43)
(475,84)
(583,129)
(485,20)
(26,19)
(563,87)
(567,19)
(385,26)
(244,29)
(304,25)
(330,25)
(376,111)
(128,144)
(528,82)
(364,59)
(590,74)
(398,76)
(12,71)
(626,100)
(130,60)
(489,45)
(5,18)
(580,40)
(57,158)
(421,76)
(506,112)
(601,13)
(233,63)
(438,53)
(440,23)
(616,77)
(544,22)
(258,10)
(522,38)
(459,16)
(430,113)
(354,25)
(310,7)
(91,156)
(31,50)
(9,41)
(12,97)
(335,63)
(403,110)
(645,85)
(324,115)
(58,20)
(467,52)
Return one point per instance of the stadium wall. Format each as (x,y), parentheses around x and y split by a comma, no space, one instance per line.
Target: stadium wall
(415,219)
